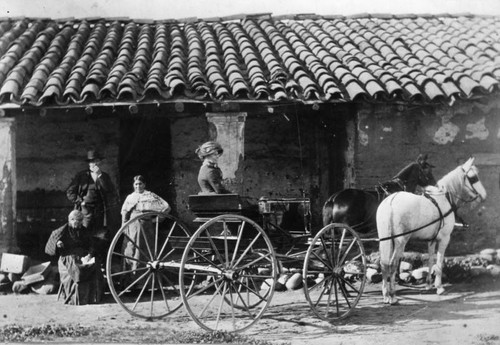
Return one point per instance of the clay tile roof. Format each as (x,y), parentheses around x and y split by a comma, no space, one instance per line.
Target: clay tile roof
(302,57)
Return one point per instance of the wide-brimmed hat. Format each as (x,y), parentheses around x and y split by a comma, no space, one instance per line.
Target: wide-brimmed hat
(93,155)
(209,148)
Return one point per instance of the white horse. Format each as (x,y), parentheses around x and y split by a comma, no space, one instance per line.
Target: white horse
(403,216)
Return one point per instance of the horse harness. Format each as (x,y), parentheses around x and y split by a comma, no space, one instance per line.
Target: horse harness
(453,208)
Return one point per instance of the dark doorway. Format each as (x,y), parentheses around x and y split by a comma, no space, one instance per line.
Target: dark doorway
(145,149)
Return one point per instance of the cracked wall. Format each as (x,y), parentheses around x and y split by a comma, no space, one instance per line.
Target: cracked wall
(390,137)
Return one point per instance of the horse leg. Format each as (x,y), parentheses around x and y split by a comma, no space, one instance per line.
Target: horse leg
(443,243)
(431,246)
(394,265)
(385,248)
(385,282)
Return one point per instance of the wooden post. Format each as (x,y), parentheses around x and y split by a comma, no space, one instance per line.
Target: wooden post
(8,243)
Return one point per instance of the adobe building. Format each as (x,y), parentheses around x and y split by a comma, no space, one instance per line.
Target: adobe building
(303,105)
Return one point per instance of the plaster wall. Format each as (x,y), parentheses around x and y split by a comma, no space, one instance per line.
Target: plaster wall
(51,149)
(390,137)
(286,155)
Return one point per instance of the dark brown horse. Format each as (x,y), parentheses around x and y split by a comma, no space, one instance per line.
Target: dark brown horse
(358,207)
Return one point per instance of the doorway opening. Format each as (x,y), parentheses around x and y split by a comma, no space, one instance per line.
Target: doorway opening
(145,149)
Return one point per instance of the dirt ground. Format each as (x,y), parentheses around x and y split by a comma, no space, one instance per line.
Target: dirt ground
(467,313)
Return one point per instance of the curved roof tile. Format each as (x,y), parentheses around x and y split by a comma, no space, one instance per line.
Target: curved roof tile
(304,58)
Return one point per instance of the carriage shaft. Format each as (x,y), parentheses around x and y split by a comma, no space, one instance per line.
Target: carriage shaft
(176,264)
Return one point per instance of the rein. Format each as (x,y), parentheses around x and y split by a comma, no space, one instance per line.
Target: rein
(453,208)
(439,219)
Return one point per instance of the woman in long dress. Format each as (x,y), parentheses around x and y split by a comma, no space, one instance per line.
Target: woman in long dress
(136,203)
(79,268)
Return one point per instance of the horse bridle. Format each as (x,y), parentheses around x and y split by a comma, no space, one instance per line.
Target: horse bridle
(472,180)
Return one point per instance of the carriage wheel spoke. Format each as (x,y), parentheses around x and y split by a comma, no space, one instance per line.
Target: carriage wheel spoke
(130,240)
(334,282)
(239,294)
(266,258)
(140,284)
(175,226)
(157,225)
(237,246)
(160,285)
(324,290)
(141,293)
(214,247)
(121,273)
(249,291)
(347,251)
(245,305)
(201,258)
(247,249)
(329,255)
(341,243)
(135,282)
(334,296)
(153,279)
(343,289)
(326,263)
(142,232)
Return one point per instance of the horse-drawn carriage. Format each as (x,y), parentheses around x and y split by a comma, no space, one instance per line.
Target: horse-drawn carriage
(226,271)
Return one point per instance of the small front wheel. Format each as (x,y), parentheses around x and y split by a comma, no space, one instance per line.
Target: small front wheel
(334,272)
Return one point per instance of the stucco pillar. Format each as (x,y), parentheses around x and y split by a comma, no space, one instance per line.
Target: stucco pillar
(229,132)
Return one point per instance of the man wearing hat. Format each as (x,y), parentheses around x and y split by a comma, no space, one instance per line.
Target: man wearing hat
(415,171)
(93,193)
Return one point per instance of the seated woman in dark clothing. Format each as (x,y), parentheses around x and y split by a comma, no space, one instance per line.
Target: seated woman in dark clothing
(79,270)
(210,175)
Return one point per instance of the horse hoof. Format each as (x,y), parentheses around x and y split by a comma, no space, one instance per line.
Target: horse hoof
(440,291)
(428,287)
(394,301)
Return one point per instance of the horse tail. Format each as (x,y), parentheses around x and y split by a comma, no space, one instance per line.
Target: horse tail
(386,249)
(385,231)
(327,210)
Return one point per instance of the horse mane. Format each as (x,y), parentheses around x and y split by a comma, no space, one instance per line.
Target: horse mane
(452,183)
(433,190)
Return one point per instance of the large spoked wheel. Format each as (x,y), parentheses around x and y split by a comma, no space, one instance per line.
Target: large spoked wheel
(143,263)
(233,264)
(334,272)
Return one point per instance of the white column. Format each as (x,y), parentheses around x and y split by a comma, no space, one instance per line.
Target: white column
(230,130)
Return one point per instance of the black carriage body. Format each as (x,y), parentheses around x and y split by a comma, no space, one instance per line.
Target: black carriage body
(287,221)
(206,206)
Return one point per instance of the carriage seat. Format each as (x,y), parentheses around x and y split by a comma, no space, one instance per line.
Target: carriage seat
(206,206)
(292,215)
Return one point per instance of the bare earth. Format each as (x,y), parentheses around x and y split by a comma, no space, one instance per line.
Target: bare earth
(467,313)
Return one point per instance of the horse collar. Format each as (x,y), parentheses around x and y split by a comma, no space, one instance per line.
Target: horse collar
(441,221)
(453,205)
